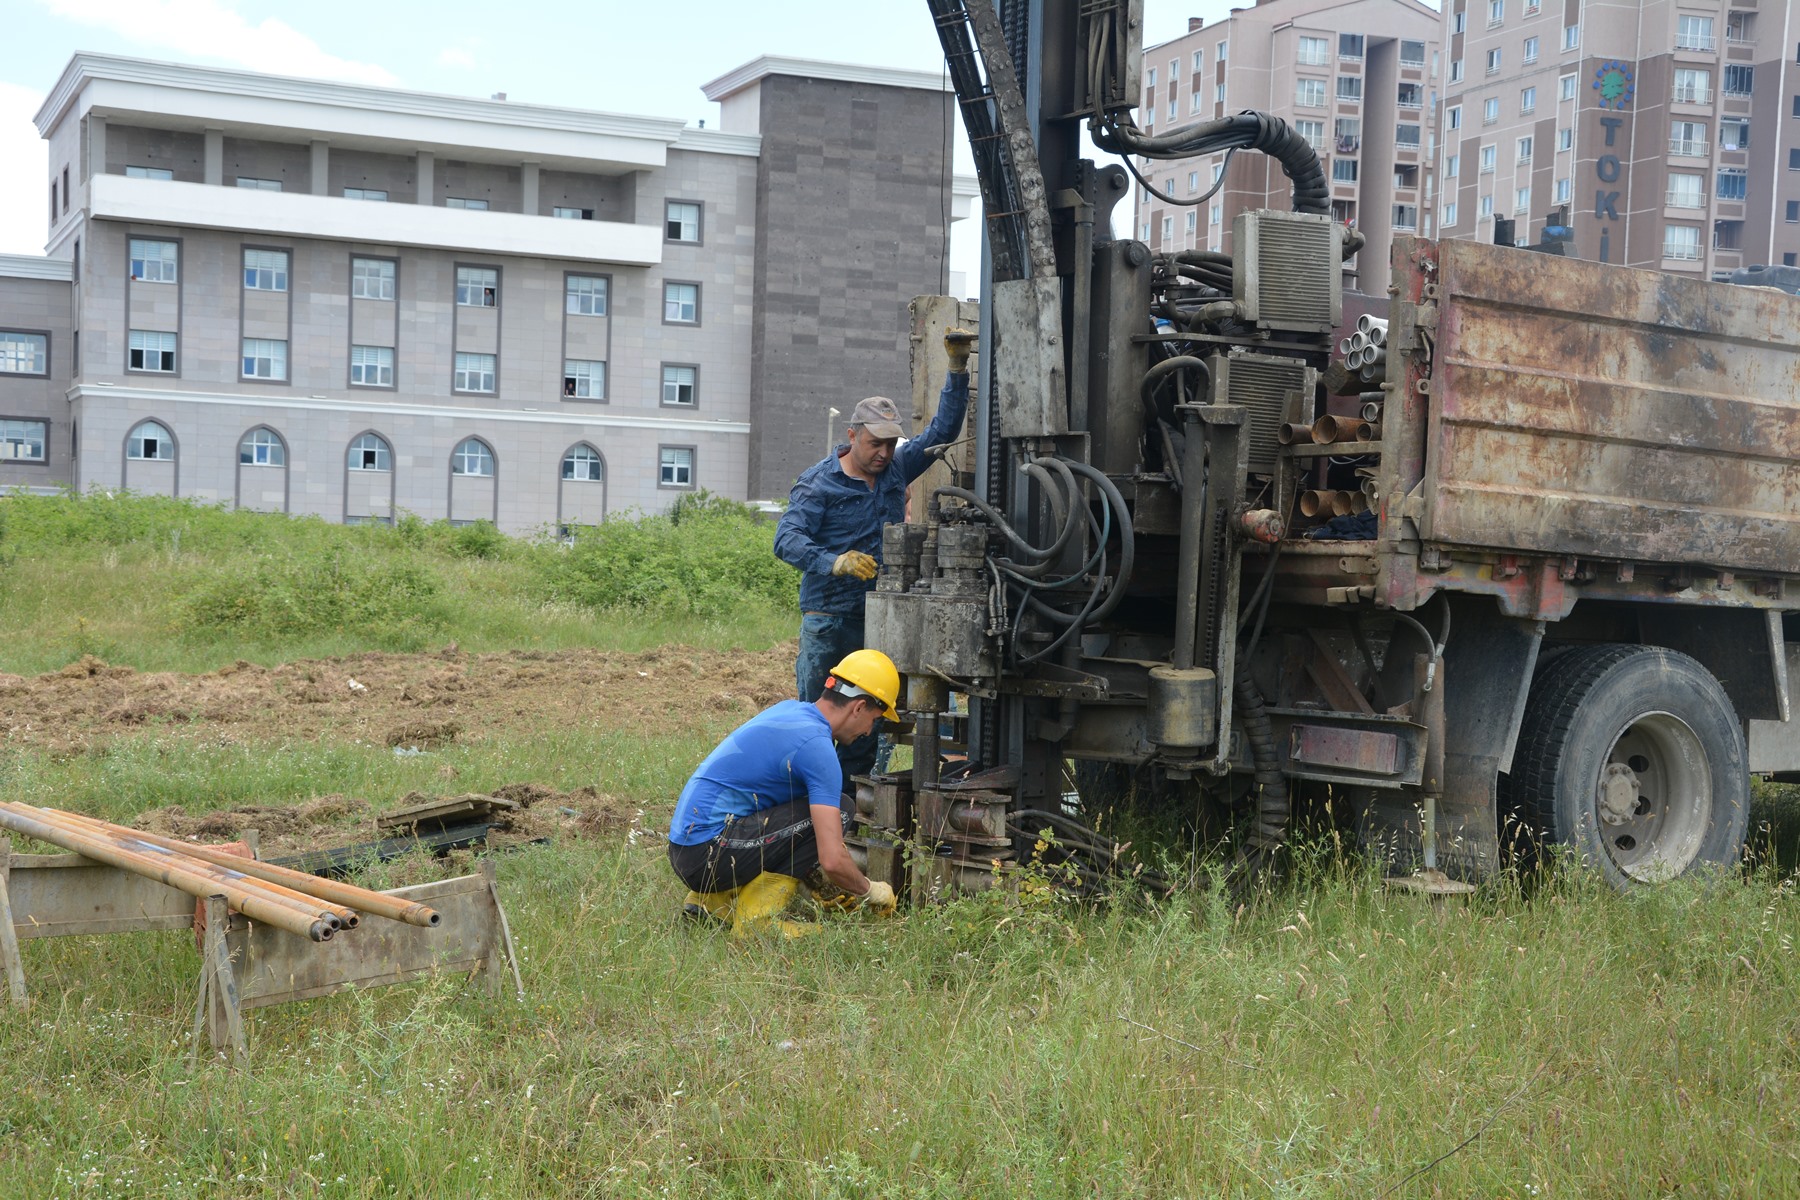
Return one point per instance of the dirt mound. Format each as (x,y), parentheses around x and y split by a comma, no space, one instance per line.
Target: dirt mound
(403,700)
(325,822)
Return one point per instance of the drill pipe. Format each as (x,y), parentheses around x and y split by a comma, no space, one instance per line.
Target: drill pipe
(1293,433)
(1371,411)
(1315,504)
(362,900)
(217,863)
(258,906)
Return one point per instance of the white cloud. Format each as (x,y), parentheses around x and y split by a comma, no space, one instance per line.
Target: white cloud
(456,56)
(23,211)
(211,29)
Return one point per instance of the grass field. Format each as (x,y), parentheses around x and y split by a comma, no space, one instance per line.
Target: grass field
(1325,1038)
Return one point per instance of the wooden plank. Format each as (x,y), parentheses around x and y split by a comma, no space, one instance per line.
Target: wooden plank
(9,941)
(54,895)
(225,1013)
(276,967)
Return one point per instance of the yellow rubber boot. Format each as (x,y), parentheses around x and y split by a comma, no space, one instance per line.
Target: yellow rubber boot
(717,905)
(762,899)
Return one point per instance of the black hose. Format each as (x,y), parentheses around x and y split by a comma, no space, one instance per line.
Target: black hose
(1273,808)
(1155,375)
(993,515)
(1127,540)
(1066,509)
(1247,130)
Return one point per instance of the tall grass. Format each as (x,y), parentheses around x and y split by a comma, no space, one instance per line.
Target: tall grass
(158,583)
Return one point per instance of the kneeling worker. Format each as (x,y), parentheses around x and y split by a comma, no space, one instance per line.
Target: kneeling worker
(765,808)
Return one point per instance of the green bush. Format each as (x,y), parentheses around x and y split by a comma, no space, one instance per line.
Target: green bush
(391,599)
(707,557)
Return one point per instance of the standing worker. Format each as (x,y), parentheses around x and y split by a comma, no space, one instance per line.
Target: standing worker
(764,810)
(832,527)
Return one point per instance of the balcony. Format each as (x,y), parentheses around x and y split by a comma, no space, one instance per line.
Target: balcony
(1684,251)
(1703,43)
(1684,148)
(1685,199)
(1693,95)
(160,202)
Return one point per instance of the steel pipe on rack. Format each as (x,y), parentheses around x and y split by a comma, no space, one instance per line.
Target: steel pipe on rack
(256,905)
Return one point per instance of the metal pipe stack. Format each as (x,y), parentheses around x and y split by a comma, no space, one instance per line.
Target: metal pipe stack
(301,904)
(1365,351)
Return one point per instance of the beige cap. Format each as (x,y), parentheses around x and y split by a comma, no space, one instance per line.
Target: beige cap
(879,416)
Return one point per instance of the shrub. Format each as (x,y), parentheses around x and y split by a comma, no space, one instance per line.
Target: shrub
(389,598)
(707,557)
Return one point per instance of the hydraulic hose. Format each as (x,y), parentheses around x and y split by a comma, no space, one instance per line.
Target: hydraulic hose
(1273,808)
(1247,130)
(1127,540)
(1066,506)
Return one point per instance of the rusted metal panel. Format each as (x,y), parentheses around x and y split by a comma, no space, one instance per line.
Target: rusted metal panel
(1364,751)
(276,967)
(1578,409)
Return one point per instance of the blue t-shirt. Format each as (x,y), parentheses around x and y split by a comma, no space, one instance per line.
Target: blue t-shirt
(782,754)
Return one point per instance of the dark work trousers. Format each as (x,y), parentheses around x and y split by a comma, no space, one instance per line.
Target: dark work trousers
(825,639)
(779,840)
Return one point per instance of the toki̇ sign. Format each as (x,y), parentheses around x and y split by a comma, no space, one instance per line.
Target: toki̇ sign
(1613,87)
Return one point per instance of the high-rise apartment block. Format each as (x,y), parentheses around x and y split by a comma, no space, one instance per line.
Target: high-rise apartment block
(1358,80)
(1662,135)
(354,301)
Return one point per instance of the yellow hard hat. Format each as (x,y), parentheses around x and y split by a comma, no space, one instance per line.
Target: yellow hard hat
(872,672)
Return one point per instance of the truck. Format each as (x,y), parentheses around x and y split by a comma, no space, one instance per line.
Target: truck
(1512,567)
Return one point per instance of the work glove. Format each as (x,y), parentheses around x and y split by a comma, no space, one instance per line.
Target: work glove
(854,562)
(879,899)
(958,343)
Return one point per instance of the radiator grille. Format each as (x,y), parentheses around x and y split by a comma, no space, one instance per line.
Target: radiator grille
(1288,274)
(1270,388)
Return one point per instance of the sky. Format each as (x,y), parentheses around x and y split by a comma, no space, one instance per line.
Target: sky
(607,55)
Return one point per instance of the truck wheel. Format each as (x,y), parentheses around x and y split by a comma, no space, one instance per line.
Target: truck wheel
(1633,757)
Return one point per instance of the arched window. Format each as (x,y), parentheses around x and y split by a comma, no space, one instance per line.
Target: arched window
(150,441)
(370,452)
(262,447)
(582,462)
(472,457)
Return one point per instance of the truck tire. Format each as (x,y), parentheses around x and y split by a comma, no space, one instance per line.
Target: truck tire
(1633,758)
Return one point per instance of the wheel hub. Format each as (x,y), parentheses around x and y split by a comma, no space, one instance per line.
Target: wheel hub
(1619,793)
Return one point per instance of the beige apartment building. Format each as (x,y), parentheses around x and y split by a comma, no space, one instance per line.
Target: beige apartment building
(1359,79)
(353,302)
(1663,134)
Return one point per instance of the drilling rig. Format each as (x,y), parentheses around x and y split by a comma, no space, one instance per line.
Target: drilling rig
(1512,566)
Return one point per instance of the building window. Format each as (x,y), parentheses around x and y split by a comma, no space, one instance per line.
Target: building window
(681,221)
(53,208)
(1312,131)
(262,448)
(260,185)
(1406,217)
(1565,88)
(1453,117)
(24,353)
(1524,150)
(1681,241)
(1168,230)
(1219,94)
(372,278)
(1199,60)
(1740,27)
(585,295)
(1487,160)
(1496,12)
(584,379)
(1350,46)
(681,304)
(1739,81)
(1449,214)
(370,452)
(1219,54)
(472,457)
(1493,61)
(1571,37)
(1490,110)
(572,214)
(1734,183)
(1686,191)
(1486,207)
(1693,33)
(150,442)
(1193,222)
(1314,51)
(153,262)
(1734,133)
(1692,87)
(1530,54)
(1562,190)
(265,358)
(1196,101)
(365,194)
(1349,87)
(676,467)
(1194,176)
(149,351)
(1410,95)
(465,202)
(1793,211)
(583,464)
(371,366)
(1452,166)
(1528,100)
(1217,212)
(1688,139)
(1310,93)
(680,385)
(149,173)
(266,270)
(1565,139)
(1173,101)
(477,287)
(23,441)
(1150,78)
(1343,170)
(1459,21)
(474,373)
(1456,70)
(1406,137)
(1522,200)
(1412,54)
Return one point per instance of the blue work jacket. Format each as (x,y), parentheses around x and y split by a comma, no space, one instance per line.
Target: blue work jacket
(830,512)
